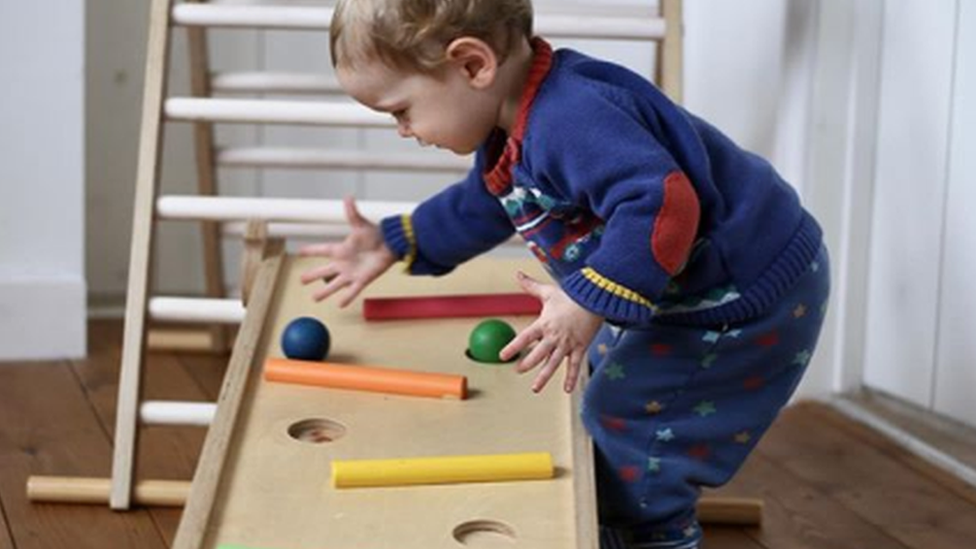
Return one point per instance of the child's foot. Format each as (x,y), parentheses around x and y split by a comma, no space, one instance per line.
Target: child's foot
(686,538)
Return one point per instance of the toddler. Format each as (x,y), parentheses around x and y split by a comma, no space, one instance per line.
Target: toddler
(686,274)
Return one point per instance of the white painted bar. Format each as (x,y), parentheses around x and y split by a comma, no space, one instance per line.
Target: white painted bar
(351,159)
(274,82)
(306,17)
(295,210)
(158,412)
(262,111)
(266,17)
(318,231)
(291,230)
(196,309)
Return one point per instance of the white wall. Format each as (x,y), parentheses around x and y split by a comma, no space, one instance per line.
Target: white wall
(42,284)
(919,339)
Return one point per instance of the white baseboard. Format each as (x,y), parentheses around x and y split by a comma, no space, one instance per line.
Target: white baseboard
(42,319)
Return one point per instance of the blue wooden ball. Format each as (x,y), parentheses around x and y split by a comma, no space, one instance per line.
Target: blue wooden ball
(305,338)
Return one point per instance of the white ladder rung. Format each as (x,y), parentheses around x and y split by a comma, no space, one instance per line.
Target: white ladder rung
(265,111)
(600,27)
(308,17)
(267,17)
(203,310)
(274,82)
(290,230)
(159,412)
(279,157)
(294,210)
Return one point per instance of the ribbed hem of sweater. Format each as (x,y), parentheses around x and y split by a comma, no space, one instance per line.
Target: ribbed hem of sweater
(766,290)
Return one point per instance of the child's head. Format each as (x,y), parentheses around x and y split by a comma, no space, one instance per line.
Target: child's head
(414,34)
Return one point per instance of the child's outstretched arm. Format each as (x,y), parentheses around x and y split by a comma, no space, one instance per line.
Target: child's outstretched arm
(563,330)
(354,263)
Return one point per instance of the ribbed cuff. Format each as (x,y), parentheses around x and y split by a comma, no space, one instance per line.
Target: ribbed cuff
(398,233)
(607,298)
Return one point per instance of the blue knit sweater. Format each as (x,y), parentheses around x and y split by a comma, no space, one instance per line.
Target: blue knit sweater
(641,211)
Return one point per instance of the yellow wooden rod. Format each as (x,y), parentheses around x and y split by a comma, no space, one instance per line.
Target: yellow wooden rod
(441,470)
(163,493)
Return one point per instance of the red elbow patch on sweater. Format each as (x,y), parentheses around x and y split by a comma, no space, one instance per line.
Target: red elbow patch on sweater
(676,224)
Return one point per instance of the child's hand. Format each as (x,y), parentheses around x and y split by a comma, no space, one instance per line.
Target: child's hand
(355,262)
(563,329)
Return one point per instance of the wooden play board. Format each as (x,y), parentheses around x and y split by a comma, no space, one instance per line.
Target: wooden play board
(259,487)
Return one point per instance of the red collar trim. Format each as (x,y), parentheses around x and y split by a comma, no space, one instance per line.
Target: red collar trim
(499,177)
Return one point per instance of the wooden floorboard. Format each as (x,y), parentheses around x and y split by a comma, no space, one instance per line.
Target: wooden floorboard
(826,481)
(876,486)
(5,541)
(50,428)
(952,437)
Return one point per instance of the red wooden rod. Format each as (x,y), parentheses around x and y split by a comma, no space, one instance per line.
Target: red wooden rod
(450,306)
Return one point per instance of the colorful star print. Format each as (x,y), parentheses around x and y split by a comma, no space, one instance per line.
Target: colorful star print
(800,311)
(602,349)
(802,358)
(615,371)
(653,407)
(711,337)
(708,360)
(665,435)
(743,437)
(654,464)
(705,408)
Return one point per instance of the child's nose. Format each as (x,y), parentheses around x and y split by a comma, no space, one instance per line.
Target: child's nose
(404,130)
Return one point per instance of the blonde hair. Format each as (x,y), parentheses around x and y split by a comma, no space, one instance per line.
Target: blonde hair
(414,33)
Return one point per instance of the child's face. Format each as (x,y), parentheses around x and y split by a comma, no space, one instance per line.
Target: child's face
(441,109)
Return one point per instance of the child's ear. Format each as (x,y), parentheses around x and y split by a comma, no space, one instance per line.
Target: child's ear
(475,59)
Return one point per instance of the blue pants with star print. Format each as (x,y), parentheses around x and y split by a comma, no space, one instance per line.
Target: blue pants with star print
(674,408)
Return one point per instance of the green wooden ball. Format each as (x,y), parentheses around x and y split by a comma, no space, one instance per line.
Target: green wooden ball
(488,338)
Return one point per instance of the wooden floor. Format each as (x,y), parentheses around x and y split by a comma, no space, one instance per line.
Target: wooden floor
(826,482)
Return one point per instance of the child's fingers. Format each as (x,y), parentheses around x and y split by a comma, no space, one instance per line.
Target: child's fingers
(530,285)
(552,364)
(536,356)
(330,288)
(355,218)
(326,249)
(573,370)
(324,272)
(521,341)
(351,293)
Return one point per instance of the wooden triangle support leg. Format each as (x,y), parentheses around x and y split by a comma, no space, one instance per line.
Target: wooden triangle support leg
(140,259)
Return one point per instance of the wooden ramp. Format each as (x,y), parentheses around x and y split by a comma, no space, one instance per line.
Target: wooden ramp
(264,477)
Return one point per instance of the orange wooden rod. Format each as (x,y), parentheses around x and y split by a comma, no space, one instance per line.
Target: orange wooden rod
(366,378)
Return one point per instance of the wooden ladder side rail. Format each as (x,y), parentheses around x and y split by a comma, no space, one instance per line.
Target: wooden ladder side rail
(140,258)
(670,52)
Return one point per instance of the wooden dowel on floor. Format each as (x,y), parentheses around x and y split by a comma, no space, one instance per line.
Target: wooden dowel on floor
(173,493)
(160,493)
(731,511)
